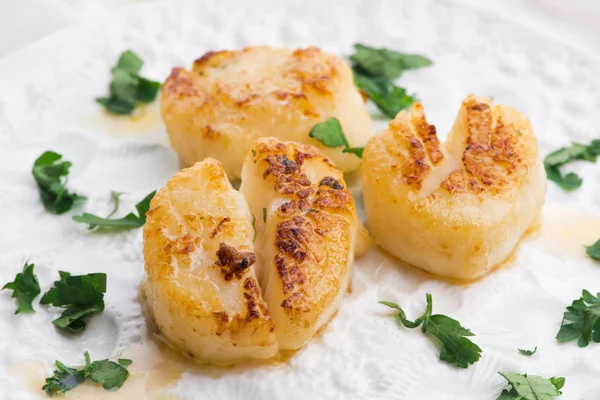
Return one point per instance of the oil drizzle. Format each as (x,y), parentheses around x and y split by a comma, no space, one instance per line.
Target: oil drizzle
(145,119)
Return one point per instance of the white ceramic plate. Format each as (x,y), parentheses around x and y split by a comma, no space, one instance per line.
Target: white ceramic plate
(47,102)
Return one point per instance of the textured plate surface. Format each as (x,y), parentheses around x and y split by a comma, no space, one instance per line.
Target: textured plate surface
(46,102)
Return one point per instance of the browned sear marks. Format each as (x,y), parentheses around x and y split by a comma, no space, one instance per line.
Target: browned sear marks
(219,227)
(291,239)
(179,83)
(255,308)
(233,262)
(331,182)
(490,156)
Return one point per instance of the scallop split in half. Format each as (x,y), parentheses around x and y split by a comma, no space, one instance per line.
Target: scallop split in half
(230,98)
(238,275)
(456,209)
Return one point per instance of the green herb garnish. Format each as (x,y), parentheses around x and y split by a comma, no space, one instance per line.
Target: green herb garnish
(530,387)
(456,348)
(594,250)
(129,221)
(25,288)
(63,380)
(127,87)
(375,71)
(264,215)
(528,352)
(357,151)
(80,296)
(330,133)
(109,374)
(389,98)
(391,64)
(581,320)
(565,155)
(51,177)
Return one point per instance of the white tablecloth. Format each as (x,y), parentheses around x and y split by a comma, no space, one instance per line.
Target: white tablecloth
(24,21)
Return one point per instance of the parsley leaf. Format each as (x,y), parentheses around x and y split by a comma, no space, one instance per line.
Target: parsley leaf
(50,176)
(109,374)
(456,348)
(63,380)
(374,73)
(80,295)
(594,250)
(383,62)
(530,387)
(330,133)
(389,98)
(565,155)
(25,288)
(357,151)
(127,88)
(127,222)
(130,62)
(581,320)
(528,352)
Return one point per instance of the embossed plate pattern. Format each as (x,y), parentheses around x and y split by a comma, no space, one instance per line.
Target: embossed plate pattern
(46,102)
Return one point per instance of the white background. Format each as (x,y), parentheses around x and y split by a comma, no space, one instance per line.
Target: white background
(24,21)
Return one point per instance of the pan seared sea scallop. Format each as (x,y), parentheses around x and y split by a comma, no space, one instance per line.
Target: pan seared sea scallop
(201,287)
(208,253)
(231,98)
(456,209)
(307,228)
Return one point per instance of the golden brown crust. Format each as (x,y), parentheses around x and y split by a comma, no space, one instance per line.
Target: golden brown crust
(233,262)
(197,238)
(490,159)
(331,182)
(179,84)
(427,133)
(305,218)
(255,307)
(230,98)
(490,156)
(473,207)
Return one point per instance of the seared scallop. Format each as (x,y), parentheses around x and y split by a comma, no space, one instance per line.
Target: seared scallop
(199,256)
(456,209)
(307,226)
(231,98)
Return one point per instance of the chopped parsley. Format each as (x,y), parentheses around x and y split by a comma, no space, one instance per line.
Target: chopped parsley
(25,288)
(386,63)
(530,387)
(80,296)
(389,98)
(129,221)
(63,380)
(50,174)
(528,352)
(581,320)
(127,88)
(330,133)
(264,215)
(594,250)
(375,70)
(357,151)
(456,348)
(111,375)
(565,155)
